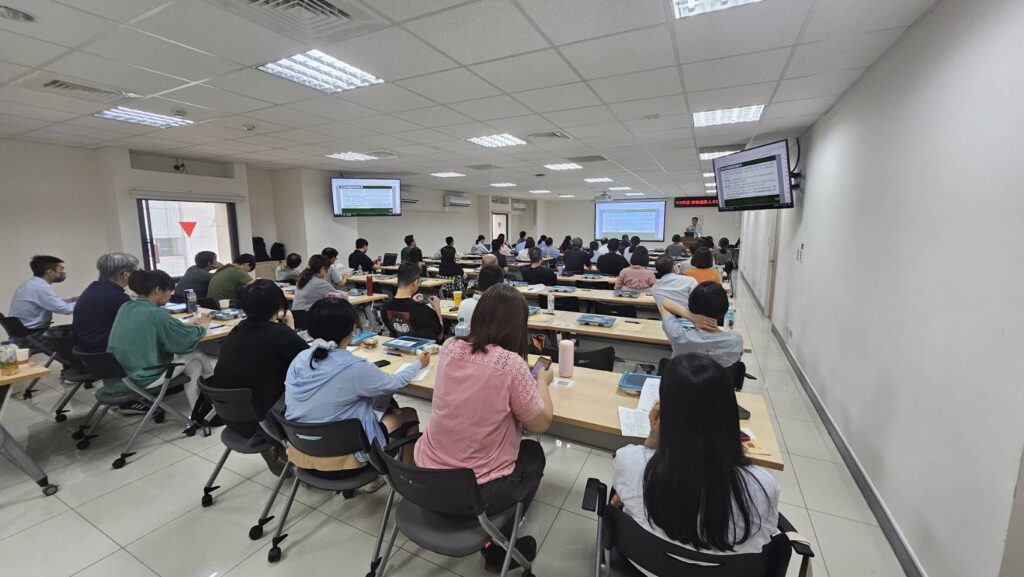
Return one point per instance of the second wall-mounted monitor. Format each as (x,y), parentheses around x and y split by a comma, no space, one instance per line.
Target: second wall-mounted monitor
(754,179)
(366,197)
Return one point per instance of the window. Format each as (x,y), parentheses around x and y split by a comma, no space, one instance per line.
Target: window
(174,231)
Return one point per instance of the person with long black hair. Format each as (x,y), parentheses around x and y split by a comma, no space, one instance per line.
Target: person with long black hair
(314,283)
(691,482)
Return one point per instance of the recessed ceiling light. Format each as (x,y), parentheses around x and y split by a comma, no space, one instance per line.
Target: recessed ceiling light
(353,156)
(141,117)
(15,14)
(709,185)
(709,175)
(566,196)
(728,116)
(447,174)
(634,194)
(496,140)
(502,184)
(686,8)
(540,191)
(714,155)
(620,188)
(321,72)
(565,166)
(600,179)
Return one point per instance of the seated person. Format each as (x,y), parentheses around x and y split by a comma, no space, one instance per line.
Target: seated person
(411,252)
(612,263)
(496,245)
(197,276)
(576,259)
(632,246)
(229,279)
(524,255)
(708,302)
(636,275)
(522,242)
(145,336)
(97,308)
(489,276)
(691,482)
(677,249)
(566,243)
(358,260)
(488,372)
(313,283)
(255,355)
(337,273)
(480,247)
(503,246)
(723,256)
(34,301)
(289,271)
(703,267)
(537,273)
(596,248)
(670,284)
(489,259)
(326,383)
(549,248)
(448,267)
(408,313)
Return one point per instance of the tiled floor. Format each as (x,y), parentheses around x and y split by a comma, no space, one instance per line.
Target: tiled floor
(146,519)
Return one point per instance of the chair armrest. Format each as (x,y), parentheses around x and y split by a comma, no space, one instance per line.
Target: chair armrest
(399,443)
(595,496)
(530,483)
(402,430)
(168,368)
(799,543)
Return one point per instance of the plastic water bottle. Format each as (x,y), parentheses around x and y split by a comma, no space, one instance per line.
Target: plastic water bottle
(566,354)
(9,358)
(191,301)
(359,270)
(551,303)
(462,329)
(730,317)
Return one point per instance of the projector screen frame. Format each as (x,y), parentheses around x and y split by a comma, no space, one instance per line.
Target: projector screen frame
(335,212)
(664,215)
(787,181)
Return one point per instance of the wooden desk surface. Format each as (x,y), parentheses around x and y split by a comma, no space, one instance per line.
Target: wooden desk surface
(610,280)
(429,283)
(593,403)
(26,372)
(289,293)
(604,296)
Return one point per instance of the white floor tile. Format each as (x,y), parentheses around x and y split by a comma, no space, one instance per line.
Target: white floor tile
(569,549)
(40,406)
(560,472)
(802,523)
(781,381)
(120,564)
(788,483)
(793,405)
(9,474)
(24,505)
(806,439)
(829,488)
(853,549)
(363,511)
(597,466)
(55,548)
(308,496)
(244,465)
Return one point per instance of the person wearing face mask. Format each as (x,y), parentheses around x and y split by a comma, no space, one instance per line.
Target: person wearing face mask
(34,302)
(97,307)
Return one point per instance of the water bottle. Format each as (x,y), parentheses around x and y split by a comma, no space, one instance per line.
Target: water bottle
(359,270)
(9,358)
(462,329)
(730,317)
(191,301)
(566,353)
(369,285)
(551,303)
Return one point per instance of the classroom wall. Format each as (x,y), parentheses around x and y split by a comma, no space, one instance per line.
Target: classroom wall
(1013,558)
(261,204)
(756,252)
(904,324)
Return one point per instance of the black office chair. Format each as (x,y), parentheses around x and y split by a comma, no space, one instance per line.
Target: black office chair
(300,319)
(615,310)
(76,373)
(178,299)
(571,304)
(36,341)
(593,285)
(208,303)
(442,511)
(620,540)
(602,359)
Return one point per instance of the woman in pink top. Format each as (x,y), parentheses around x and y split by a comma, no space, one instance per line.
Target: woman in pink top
(484,395)
(637,276)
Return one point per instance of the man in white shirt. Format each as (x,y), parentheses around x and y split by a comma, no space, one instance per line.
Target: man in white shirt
(339,273)
(670,284)
(695,228)
(34,302)
(490,275)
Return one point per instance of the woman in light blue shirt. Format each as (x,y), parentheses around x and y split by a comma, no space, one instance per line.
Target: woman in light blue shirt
(327,383)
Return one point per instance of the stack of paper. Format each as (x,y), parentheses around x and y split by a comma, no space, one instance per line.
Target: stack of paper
(636,422)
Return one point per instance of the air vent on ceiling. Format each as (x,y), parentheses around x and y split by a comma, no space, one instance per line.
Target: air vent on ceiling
(548,134)
(83,91)
(305,20)
(585,159)
(482,166)
(499,200)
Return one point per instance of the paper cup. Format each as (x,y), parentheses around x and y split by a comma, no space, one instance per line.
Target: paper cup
(23,355)
(224,303)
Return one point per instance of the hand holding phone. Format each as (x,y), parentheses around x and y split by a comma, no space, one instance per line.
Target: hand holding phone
(542,364)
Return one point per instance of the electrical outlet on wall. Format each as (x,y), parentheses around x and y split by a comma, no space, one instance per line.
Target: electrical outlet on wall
(789,334)
(800,253)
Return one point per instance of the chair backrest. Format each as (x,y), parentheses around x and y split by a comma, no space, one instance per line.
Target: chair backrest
(324,439)
(101,365)
(14,327)
(440,490)
(390,258)
(615,310)
(230,404)
(208,303)
(737,372)
(662,557)
(571,304)
(593,284)
(598,359)
(300,319)
(178,299)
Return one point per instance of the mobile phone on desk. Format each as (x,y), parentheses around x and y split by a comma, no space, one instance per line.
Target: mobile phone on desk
(542,364)
(382,363)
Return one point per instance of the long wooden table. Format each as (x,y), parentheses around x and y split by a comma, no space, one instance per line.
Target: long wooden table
(597,295)
(426,284)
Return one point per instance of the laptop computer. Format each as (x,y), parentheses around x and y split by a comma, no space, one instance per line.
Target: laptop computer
(390,259)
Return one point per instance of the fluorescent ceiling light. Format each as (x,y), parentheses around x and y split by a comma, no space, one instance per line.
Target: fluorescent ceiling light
(728,116)
(634,194)
(540,192)
(502,184)
(709,185)
(566,196)
(447,174)
(709,175)
(565,166)
(686,8)
(353,156)
(601,179)
(496,140)
(321,72)
(141,117)
(620,188)
(714,155)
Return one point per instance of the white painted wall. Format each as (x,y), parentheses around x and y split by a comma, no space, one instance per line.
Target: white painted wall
(757,251)
(905,326)
(261,204)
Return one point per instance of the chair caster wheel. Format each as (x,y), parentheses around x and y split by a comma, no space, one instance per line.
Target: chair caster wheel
(88,386)
(255,532)
(83,444)
(50,490)
(118,463)
(159,418)
(274,555)
(348,494)
(60,418)
(190,431)
(79,434)
(207,500)
(27,395)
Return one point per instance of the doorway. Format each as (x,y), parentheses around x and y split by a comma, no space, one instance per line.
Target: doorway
(499,225)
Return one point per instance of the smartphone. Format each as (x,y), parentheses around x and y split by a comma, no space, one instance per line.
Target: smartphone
(382,363)
(542,364)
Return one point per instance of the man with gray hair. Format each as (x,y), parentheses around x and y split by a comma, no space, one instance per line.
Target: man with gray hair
(576,259)
(96,308)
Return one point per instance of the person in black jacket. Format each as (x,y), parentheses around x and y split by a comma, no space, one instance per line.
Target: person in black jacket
(612,263)
(576,259)
(449,268)
(537,273)
(358,259)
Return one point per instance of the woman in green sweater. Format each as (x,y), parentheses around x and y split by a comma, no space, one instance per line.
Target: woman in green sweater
(146,335)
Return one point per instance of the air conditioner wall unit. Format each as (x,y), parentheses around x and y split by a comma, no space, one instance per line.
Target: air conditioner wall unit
(460,201)
(518,206)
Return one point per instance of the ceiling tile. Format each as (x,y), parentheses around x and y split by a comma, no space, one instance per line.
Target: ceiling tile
(303,136)
(752,28)
(451,86)
(386,98)
(480,31)
(342,130)
(800,107)
(581,116)
(124,76)
(817,85)
(424,136)
(236,126)
(734,97)
(840,53)
(11,124)
(120,10)
(558,97)
(663,123)
(215,98)
(124,128)
(665,105)
(383,124)
(527,71)
(789,123)
(399,10)
(9,71)
(639,85)
(28,51)
(521,124)
(600,129)
(55,137)
(567,21)
(56,23)
(28,111)
(622,53)
(287,117)
(391,54)
(133,47)
(735,70)
(468,130)
(835,18)
(490,108)
(434,116)
(267,86)
(18,93)
(268,141)
(332,107)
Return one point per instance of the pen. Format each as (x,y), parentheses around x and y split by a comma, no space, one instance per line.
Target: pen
(633,322)
(187,317)
(392,354)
